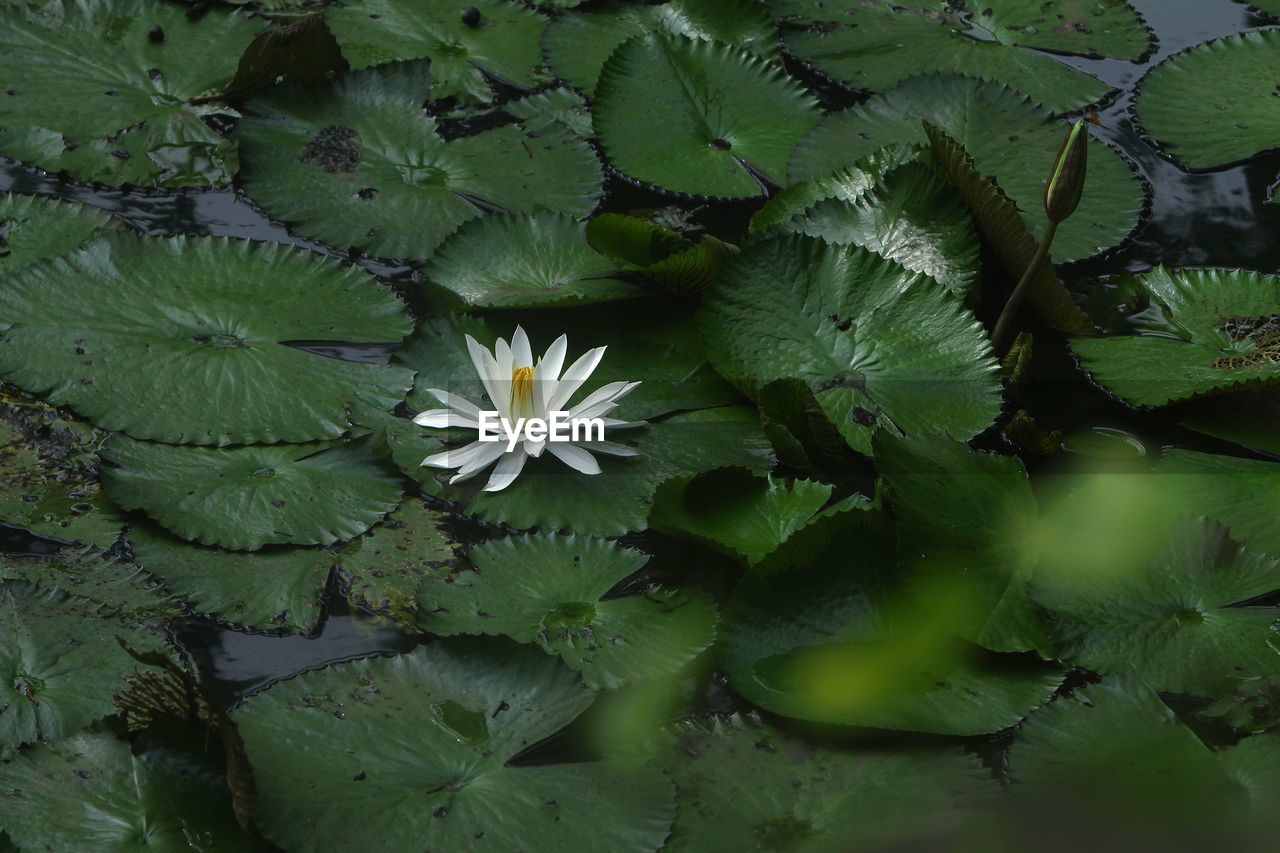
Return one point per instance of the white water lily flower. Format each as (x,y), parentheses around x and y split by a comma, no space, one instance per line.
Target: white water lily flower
(519,388)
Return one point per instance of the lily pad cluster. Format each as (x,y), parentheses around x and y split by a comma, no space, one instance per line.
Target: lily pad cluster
(839,572)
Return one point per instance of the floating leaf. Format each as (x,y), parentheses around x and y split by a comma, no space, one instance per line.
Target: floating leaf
(89,91)
(741,787)
(382,569)
(33,228)
(981,559)
(416,751)
(736,512)
(818,632)
(357,163)
(503,42)
(63,660)
(665,258)
(877,46)
(270,589)
(197,328)
(577,45)
(908,214)
(246,497)
(92,792)
(1240,493)
(557,592)
(301,50)
(1247,418)
(1201,332)
(1170,622)
(48,481)
(699,117)
(1019,158)
(1252,764)
(1204,124)
(527,261)
(559,105)
(876,342)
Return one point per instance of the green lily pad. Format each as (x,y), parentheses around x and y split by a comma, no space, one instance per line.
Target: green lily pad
(877,46)
(382,569)
(34,228)
(61,662)
(1202,332)
(876,342)
(525,262)
(184,339)
(1252,764)
(818,631)
(1171,622)
(981,559)
(736,512)
(110,587)
(245,497)
(578,45)
(559,105)
(910,215)
(504,42)
(358,164)
(699,117)
(1204,124)
(1247,418)
(556,591)
(743,787)
(92,792)
(665,257)
(48,481)
(89,91)
(271,589)
(1240,493)
(416,751)
(1019,158)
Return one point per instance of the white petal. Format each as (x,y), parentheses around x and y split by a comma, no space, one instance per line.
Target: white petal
(455,457)
(575,457)
(508,468)
(552,361)
(546,375)
(461,405)
(535,448)
(521,352)
(486,369)
(483,459)
(442,418)
(604,394)
(573,378)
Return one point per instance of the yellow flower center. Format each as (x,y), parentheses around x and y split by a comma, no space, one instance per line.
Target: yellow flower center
(522,392)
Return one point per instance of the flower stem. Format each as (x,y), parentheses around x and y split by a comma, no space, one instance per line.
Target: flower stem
(1002,336)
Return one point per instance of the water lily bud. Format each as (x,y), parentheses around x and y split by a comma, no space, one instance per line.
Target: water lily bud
(1066,183)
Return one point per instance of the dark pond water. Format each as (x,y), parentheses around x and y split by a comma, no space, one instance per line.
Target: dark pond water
(1219,218)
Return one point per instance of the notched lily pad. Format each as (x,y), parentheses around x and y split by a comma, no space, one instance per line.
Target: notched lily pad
(186,340)
(560,593)
(34,228)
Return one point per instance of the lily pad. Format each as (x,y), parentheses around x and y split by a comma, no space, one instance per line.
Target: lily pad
(877,46)
(741,787)
(1204,124)
(33,228)
(819,631)
(558,592)
(1201,332)
(271,589)
(699,117)
(1252,764)
(877,343)
(416,751)
(578,45)
(736,512)
(48,479)
(1171,622)
(527,261)
(910,215)
(89,91)
(358,164)
(503,42)
(185,340)
(982,558)
(62,661)
(245,497)
(1247,418)
(92,792)
(1019,158)
(1240,493)
(382,569)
